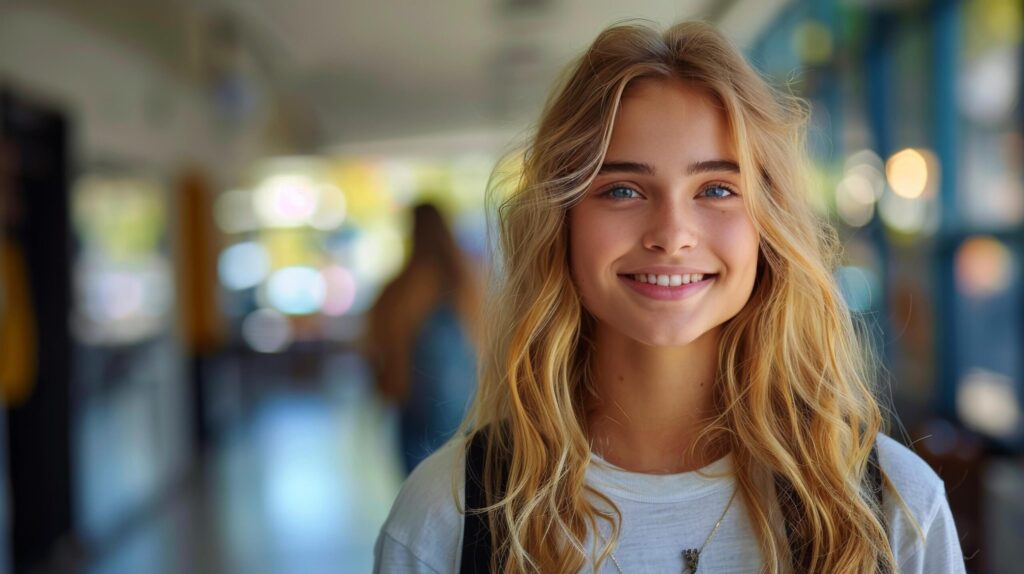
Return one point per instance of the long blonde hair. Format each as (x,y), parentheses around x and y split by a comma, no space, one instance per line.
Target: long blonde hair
(794,387)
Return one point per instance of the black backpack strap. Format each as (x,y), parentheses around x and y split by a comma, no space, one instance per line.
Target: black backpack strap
(873,477)
(792,509)
(476,538)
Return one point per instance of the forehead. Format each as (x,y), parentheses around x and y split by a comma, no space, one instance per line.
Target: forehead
(666,119)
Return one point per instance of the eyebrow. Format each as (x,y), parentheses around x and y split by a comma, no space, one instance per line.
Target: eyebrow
(711,165)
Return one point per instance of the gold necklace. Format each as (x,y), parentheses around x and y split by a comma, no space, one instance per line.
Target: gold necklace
(691,556)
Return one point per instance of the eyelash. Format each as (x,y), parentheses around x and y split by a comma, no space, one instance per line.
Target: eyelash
(608,192)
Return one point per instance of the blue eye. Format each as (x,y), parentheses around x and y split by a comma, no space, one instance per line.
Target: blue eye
(717,191)
(621,192)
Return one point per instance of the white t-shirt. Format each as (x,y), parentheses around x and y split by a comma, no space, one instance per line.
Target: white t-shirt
(662,515)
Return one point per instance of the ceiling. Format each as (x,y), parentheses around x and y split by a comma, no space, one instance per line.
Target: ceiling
(362,70)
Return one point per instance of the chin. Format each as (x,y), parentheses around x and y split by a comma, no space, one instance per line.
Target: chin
(663,338)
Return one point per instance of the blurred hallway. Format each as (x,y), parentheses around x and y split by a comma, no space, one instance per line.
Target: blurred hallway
(202,202)
(301,484)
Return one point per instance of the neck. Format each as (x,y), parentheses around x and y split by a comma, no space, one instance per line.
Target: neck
(652,402)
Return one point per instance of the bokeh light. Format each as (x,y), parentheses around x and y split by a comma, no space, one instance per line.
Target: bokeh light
(868,165)
(907,173)
(286,200)
(987,402)
(379,251)
(267,331)
(296,290)
(341,290)
(988,86)
(243,265)
(903,214)
(331,208)
(855,199)
(983,267)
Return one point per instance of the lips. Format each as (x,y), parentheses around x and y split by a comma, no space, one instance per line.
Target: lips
(662,292)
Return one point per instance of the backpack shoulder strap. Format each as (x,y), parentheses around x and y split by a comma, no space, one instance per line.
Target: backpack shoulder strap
(873,478)
(792,508)
(476,537)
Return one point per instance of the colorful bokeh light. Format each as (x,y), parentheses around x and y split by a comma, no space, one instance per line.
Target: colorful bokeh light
(983,267)
(243,265)
(341,290)
(296,290)
(267,331)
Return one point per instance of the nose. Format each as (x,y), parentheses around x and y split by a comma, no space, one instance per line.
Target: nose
(671,229)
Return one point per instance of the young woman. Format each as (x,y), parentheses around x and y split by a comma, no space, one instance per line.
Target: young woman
(671,381)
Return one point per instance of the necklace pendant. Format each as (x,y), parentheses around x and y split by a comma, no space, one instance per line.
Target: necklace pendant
(691,556)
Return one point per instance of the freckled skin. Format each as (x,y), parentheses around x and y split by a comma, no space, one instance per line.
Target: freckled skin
(670,220)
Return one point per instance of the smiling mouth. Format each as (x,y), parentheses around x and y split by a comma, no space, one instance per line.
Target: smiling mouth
(669,280)
(642,286)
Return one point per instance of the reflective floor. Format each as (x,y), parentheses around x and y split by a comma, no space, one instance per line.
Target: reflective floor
(302,485)
(303,477)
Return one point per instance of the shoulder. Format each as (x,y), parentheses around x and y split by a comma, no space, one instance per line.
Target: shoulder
(917,484)
(425,522)
(921,528)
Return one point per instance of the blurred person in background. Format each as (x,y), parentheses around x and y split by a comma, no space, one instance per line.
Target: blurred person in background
(421,337)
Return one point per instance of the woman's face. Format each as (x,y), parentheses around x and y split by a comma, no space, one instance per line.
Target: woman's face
(662,248)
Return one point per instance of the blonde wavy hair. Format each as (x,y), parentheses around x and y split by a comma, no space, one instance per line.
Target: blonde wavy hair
(794,385)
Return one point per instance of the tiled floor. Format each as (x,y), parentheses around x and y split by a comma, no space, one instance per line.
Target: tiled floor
(301,487)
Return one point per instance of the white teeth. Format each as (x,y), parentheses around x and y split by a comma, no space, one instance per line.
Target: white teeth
(668,280)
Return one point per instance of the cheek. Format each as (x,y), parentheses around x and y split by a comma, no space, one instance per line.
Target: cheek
(579,252)
(586,242)
(577,241)
(741,245)
(591,251)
